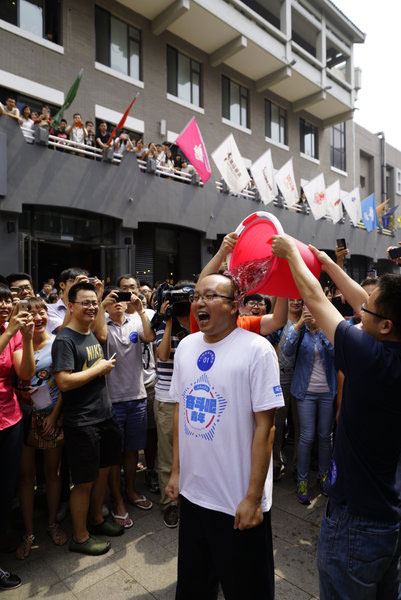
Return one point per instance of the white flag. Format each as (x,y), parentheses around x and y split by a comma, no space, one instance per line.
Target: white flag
(315,195)
(286,181)
(352,203)
(333,201)
(231,165)
(263,175)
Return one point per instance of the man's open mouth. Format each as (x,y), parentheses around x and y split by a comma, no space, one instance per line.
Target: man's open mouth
(203,316)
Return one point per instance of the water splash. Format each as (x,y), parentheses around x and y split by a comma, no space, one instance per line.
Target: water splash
(249,275)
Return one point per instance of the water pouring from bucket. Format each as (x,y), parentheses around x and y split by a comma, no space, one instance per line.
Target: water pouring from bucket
(253,265)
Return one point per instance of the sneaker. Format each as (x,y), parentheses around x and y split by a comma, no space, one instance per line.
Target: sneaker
(109,528)
(302,492)
(105,511)
(92,546)
(9,581)
(170,516)
(322,482)
(152,480)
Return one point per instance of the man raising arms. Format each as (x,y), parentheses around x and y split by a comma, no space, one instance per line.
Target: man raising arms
(360,542)
(226,387)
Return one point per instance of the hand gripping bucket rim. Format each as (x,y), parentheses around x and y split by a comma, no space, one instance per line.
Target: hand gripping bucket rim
(279,284)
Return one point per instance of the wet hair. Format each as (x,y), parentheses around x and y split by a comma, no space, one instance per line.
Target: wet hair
(74,289)
(127,276)
(13,277)
(72,273)
(388,301)
(37,303)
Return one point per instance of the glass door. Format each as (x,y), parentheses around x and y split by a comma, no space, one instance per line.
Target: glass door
(116,261)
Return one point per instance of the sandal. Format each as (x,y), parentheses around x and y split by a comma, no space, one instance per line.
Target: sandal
(139,503)
(24,548)
(123,520)
(58,536)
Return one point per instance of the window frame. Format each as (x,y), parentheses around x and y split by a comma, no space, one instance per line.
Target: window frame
(282,113)
(15,27)
(241,96)
(172,49)
(342,150)
(128,26)
(306,128)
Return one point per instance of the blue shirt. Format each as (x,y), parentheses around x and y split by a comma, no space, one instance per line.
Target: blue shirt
(365,474)
(165,368)
(306,357)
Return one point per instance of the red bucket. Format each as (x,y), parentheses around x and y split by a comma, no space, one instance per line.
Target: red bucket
(255,237)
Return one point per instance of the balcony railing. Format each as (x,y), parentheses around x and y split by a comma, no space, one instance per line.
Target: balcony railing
(151,166)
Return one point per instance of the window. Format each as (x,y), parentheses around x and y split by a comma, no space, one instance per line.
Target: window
(275,123)
(183,77)
(309,139)
(398,182)
(40,17)
(337,147)
(22,99)
(235,102)
(362,182)
(118,45)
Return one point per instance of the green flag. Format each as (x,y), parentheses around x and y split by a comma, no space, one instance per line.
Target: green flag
(69,99)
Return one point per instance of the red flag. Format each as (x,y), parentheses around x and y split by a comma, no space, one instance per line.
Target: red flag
(121,124)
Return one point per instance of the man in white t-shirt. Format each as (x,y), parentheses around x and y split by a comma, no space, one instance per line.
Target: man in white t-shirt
(227,389)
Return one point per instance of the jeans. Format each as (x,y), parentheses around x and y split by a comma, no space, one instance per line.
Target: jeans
(11,440)
(358,559)
(324,404)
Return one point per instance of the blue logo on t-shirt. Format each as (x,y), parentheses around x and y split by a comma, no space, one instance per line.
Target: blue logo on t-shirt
(277,390)
(206,360)
(133,337)
(203,407)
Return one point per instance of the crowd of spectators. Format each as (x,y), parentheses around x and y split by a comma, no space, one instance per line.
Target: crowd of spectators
(85,134)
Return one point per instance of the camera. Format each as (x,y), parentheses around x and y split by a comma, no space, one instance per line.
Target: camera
(182,295)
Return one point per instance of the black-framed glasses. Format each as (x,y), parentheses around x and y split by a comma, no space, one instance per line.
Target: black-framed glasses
(255,304)
(208,297)
(366,310)
(87,303)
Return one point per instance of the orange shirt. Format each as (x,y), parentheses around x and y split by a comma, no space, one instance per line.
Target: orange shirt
(246,322)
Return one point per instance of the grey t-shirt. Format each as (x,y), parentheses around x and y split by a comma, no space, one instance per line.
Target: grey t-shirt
(76,352)
(125,381)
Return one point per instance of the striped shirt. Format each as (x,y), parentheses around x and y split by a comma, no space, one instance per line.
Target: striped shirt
(165,368)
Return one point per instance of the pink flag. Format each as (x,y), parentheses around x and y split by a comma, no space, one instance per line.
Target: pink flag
(191,143)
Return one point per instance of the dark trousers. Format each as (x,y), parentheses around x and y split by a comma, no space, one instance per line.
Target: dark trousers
(211,551)
(11,440)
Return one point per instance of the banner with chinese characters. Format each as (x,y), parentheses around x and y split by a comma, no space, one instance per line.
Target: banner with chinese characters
(333,201)
(316,197)
(231,165)
(191,143)
(352,204)
(286,182)
(263,175)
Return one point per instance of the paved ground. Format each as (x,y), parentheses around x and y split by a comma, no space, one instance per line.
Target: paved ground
(142,563)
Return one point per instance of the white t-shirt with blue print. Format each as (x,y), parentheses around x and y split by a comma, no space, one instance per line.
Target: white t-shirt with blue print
(219,388)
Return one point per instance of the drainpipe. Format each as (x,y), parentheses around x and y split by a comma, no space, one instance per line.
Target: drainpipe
(382,137)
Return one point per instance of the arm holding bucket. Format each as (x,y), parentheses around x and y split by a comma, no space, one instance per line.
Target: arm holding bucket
(215,262)
(326,315)
(277,319)
(354,294)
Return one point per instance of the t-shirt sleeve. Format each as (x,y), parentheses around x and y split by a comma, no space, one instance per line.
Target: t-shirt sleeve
(174,391)
(63,355)
(266,390)
(354,350)
(249,323)
(54,321)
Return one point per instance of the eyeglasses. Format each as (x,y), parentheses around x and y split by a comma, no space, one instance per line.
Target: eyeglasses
(87,303)
(366,310)
(129,288)
(254,304)
(26,287)
(208,297)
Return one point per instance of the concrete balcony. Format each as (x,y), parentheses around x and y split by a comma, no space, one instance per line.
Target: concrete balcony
(304,56)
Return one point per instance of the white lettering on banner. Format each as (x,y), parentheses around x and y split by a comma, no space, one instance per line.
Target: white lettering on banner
(198,152)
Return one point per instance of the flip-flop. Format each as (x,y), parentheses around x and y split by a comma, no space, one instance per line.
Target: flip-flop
(128,523)
(141,499)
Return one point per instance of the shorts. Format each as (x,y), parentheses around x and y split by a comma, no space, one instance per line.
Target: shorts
(150,406)
(132,420)
(92,447)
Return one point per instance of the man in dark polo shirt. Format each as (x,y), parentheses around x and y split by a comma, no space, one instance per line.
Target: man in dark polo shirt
(360,542)
(91,433)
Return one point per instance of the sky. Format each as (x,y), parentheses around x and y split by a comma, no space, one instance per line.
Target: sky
(379,57)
